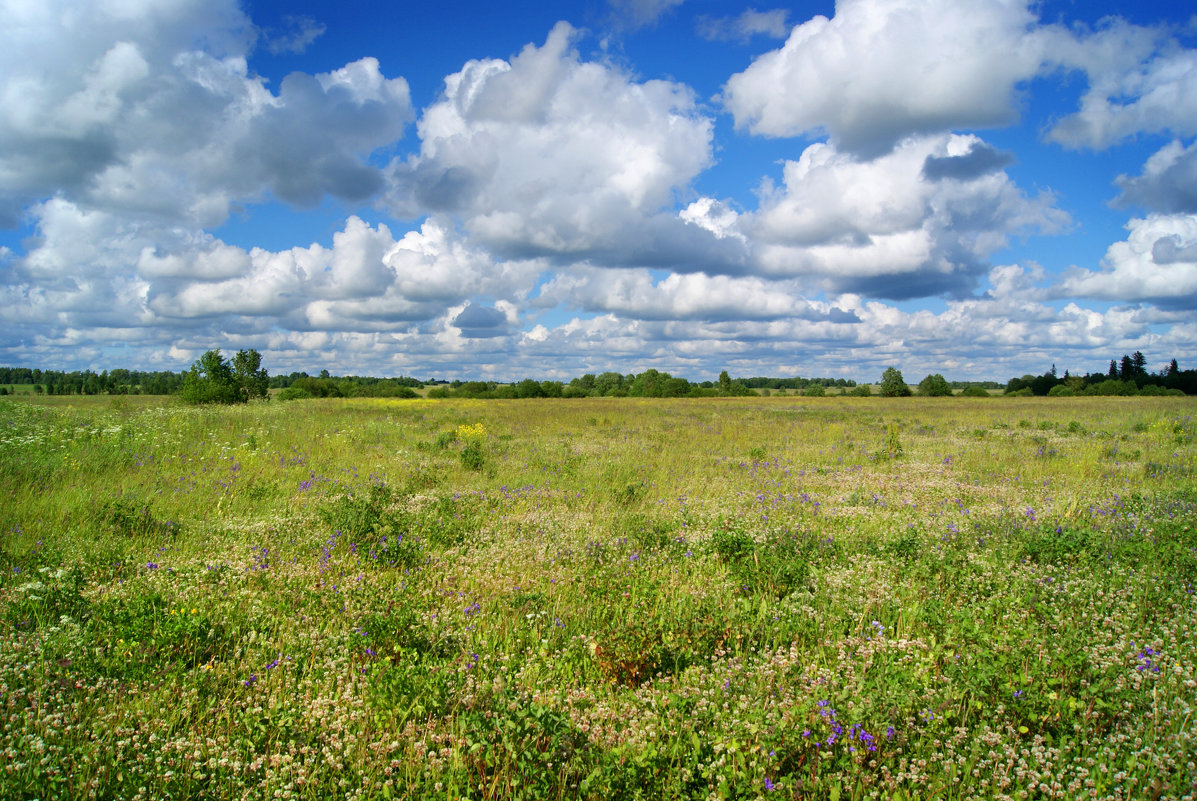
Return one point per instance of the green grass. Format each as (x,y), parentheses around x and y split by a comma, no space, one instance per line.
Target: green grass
(733,598)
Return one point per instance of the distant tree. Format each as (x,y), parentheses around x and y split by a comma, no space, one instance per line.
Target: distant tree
(974,391)
(249,374)
(861,391)
(212,379)
(607,383)
(1127,370)
(934,386)
(724,383)
(1138,367)
(528,388)
(892,383)
(814,391)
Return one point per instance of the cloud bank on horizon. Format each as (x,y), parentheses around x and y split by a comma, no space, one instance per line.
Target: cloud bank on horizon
(978,191)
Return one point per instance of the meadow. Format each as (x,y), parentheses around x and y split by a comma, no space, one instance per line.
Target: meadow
(826,598)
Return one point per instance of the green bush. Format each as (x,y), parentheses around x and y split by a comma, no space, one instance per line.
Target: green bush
(935,386)
(294,393)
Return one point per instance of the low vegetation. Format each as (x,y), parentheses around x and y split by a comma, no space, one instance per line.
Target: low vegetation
(790,597)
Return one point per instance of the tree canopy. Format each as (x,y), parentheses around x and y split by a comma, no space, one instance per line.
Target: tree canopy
(892,384)
(212,379)
(935,386)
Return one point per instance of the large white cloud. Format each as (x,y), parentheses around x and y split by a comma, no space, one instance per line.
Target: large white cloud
(1157,262)
(95,268)
(150,107)
(549,155)
(1141,80)
(880,70)
(921,220)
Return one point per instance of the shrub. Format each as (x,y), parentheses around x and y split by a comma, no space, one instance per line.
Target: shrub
(974,392)
(294,393)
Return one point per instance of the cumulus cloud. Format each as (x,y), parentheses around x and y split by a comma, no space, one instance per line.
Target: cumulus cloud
(636,294)
(880,70)
(1168,183)
(999,333)
(92,268)
(481,322)
(151,108)
(774,24)
(1157,262)
(888,228)
(548,155)
(980,159)
(1140,81)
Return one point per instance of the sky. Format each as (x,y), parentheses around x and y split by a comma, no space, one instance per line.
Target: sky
(545,189)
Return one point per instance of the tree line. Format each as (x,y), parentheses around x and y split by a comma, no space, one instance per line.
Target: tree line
(87,382)
(213,378)
(1125,376)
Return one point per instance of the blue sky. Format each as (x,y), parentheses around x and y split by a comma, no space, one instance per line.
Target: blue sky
(976,189)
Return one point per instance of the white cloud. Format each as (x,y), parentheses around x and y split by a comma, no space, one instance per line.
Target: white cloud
(548,155)
(880,70)
(1157,262)
(113,106)
(636,14)
(774,24)
(1140,81)
(887,229)
(695,296)
(1168,183)
(299,32)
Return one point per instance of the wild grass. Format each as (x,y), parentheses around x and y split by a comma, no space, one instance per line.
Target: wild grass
(725,598)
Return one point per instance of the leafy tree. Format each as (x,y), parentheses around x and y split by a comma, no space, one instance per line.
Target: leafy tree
(724,383)
(210,380)
(606,383)
(249,374)
(892,384)
(528,388)
(935,386)
(213,380)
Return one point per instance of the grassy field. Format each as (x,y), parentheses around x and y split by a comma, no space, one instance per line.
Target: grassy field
(752,598)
